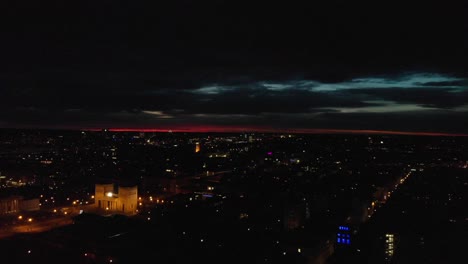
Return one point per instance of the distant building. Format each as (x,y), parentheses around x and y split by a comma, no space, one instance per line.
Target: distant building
(16,204)
(121,200)
(29,205)
(344,236)
(389,247)
(197,147)
(2,179)
(10,204)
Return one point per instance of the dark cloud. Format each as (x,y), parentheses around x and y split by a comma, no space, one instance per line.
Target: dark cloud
(428,97)
(257,100)
(424,122)
(148,63)
(445,83)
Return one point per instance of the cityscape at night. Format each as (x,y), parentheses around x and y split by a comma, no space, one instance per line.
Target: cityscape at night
(101,196)
(217,131)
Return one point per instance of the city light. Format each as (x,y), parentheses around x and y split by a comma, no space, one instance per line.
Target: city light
(389,245)
(349,194)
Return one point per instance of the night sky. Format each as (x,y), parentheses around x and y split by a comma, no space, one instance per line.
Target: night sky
(234,65)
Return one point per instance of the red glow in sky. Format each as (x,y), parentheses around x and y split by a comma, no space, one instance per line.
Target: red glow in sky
(238,129)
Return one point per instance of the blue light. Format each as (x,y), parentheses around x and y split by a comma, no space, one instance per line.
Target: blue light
(339,234)
(347,241)
(339,240)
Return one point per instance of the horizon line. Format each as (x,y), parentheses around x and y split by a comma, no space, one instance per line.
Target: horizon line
(236,129)
(278,131)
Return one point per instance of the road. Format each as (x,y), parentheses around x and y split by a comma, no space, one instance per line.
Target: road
(36,226)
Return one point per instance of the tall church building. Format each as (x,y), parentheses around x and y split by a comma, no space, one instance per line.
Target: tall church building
(120,200)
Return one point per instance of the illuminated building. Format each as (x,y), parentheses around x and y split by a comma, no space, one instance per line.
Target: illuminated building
(343,236)
(121,200)
(197,147)
(9,205)
(15,204)
(389,246)
(29,204)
